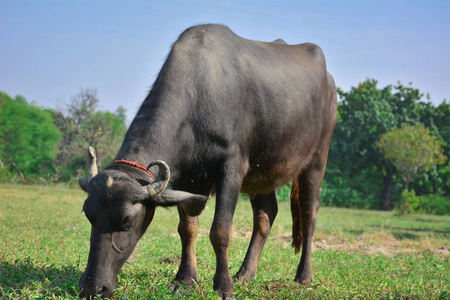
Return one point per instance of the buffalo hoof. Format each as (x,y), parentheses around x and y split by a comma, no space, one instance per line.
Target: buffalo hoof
(243,276)
(180,288)
(306,283)
(303,280)
(232,297)
(225,294)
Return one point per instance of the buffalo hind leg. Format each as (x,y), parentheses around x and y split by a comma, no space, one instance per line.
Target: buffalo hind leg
(309,205)
(187,273)
(309,182)
(265,210)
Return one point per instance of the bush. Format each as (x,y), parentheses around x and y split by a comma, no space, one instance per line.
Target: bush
(284,193)
(333,196)
(342,197)
(8,177)
(435,204)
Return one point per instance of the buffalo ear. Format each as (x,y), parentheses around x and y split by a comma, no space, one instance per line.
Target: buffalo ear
(191,204)
(83,182)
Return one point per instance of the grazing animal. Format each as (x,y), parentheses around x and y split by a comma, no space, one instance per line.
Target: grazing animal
(225,115)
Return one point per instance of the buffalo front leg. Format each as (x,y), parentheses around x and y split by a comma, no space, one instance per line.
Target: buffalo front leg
(220,234)
(265,209)
(187,273)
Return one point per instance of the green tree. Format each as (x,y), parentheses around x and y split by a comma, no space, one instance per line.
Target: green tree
(82,126)
(364,114)
(28,138)
(436,119)
(74,128)
(413,150)
(107,131)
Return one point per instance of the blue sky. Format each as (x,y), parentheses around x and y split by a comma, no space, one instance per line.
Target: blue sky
(51,49)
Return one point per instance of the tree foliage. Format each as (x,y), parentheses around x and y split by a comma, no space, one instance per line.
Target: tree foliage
(413,150)
(364,114)
(82,126)
(28,138)
(436,119)
(50,144)
(356,165)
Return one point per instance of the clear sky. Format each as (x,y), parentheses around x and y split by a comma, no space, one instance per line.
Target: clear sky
(51,49)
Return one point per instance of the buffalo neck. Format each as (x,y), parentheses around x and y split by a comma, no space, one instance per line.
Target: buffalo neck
(159,129)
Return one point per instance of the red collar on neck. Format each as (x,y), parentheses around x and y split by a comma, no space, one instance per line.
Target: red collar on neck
(134,164)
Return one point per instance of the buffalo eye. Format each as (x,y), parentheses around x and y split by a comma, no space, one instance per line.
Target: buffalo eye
(127,222)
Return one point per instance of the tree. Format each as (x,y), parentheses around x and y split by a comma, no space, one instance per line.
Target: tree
(364,114)
(436,119)
(107,131)
(28,137)
(40,143)
(82,126)
(82,107)
(413,150)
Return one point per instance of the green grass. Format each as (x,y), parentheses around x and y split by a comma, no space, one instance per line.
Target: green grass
(44,244)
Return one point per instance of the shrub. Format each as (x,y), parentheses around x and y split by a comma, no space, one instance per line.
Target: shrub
(284,193)
(342,197)
(436,204)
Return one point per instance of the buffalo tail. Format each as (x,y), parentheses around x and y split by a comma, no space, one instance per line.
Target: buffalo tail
(297,237)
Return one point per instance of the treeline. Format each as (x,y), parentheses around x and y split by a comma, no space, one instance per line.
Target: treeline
(363,171)
(39,145)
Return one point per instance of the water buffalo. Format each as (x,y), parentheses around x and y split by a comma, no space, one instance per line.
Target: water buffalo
(225,115)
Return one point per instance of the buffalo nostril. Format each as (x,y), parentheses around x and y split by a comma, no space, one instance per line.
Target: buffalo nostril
(99,289)
(89,287)
(88,292)
(83,293)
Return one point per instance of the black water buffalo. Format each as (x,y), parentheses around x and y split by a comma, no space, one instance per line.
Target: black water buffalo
(227,115)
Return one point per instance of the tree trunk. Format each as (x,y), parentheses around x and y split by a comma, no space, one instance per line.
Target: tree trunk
(17,168)
(388,184)
(405,203)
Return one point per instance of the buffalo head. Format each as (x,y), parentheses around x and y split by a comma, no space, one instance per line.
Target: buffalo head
(120,208)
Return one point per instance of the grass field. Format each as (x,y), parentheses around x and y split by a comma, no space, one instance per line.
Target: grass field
(44,244)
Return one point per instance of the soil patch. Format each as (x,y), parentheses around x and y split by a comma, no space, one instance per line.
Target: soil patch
(369,244)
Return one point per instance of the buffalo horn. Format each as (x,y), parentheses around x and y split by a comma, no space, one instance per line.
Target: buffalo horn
(156,187)
(92,163)
(91,168)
